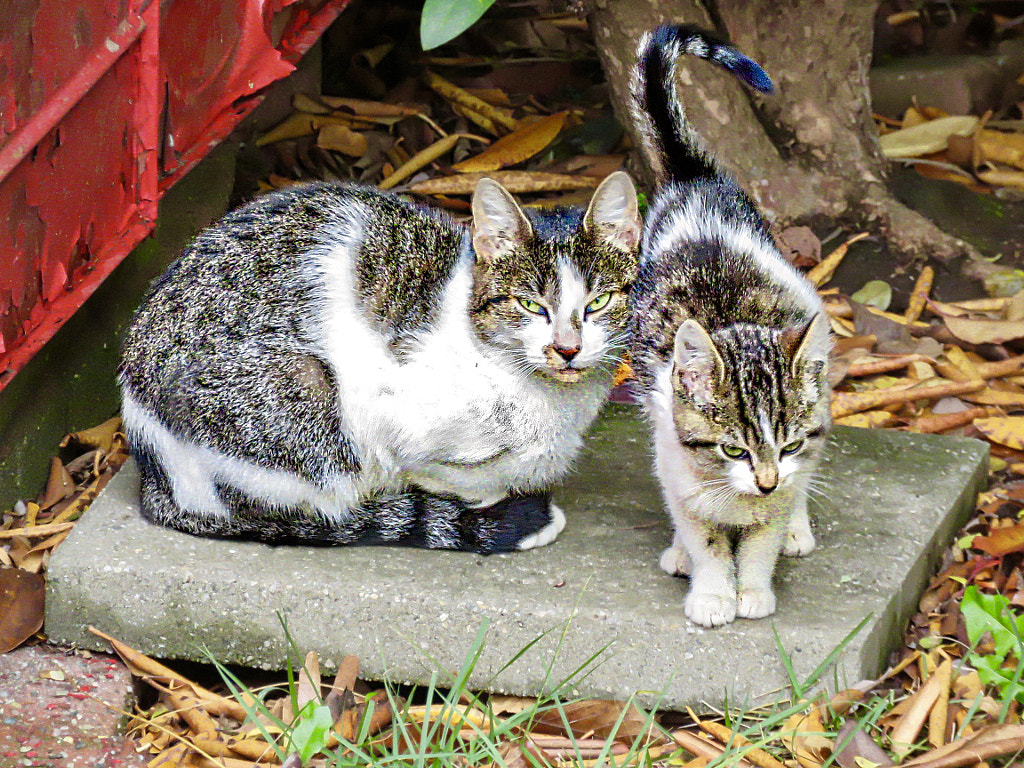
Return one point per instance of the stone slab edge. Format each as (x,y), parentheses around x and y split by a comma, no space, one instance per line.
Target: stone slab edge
(406,612)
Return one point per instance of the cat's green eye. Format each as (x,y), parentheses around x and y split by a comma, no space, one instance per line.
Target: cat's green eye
(532,306)
(734,452)
(791,448)
(599,303)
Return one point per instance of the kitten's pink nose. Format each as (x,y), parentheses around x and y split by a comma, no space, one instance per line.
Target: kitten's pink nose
(567,353)
(766,489)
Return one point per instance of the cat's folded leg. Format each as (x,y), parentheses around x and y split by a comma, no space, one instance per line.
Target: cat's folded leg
(756,553)
(799,539)
(705,549)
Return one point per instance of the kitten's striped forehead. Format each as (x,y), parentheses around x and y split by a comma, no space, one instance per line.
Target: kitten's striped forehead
(758,371)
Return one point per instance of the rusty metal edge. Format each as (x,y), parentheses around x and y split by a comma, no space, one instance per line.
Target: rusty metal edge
(152,187)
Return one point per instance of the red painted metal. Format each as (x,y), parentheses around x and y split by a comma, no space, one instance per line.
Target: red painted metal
(102,109)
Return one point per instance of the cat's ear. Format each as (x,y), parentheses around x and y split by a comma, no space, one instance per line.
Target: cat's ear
(697,361)
(614,213)
(809,345)
(499,224)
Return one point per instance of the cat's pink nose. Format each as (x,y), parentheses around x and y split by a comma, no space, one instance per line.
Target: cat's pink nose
(567,353)
(766,489)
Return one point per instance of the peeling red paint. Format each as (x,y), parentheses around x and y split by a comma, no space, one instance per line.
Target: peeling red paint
(101,111)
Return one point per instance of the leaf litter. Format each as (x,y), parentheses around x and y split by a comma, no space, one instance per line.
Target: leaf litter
(951,368)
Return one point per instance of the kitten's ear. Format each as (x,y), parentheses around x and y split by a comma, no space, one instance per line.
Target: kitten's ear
(614,213)
(697,360)
(499,224)
(808,344)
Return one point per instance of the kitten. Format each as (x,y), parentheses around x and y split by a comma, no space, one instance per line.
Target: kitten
(730,348)
(331,364)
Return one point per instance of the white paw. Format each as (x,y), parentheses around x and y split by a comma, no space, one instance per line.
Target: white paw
(799,542)
(675,562)
(709,609)
(755,603)
(548,533)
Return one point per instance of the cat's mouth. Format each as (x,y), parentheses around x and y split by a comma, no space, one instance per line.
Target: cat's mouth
(567,375)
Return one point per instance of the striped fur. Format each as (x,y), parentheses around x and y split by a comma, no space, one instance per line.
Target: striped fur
(332,365)
(730,347)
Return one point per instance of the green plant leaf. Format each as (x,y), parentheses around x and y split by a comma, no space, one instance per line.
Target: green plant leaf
(443,20)
(990,613)
(875,293)
(310,735)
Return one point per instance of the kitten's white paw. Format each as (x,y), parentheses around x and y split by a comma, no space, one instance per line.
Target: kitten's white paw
(755,603)
(675,562)
(709,609)
(548,533)
(799,542)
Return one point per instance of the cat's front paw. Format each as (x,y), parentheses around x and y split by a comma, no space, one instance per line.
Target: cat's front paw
(548,533)
(675,562)
(799,542)
(755,603)
(710,609)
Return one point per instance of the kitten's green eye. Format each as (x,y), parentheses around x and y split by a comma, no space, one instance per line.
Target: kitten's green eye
(734,452)
(532,306)
(791,448)
(599,303)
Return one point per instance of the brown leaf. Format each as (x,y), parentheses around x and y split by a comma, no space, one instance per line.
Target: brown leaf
(861,745)
(597,717)
(102,436)
(1001,541)
(800,246)
(59,485)
(514,181)
(984,331)
(522,144)
(22,597)
(309,680)
(892,337)
(342,139)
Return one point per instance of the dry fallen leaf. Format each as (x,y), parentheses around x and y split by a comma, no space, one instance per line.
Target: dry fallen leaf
(927,137)
(22,597)
(522,144)
(514,181)
(1005,430)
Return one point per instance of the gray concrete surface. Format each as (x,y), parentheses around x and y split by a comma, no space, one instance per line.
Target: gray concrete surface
(893,502)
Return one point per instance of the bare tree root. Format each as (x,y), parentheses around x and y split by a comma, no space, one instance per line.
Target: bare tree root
(909,233)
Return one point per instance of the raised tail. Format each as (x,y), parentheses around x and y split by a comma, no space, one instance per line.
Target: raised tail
(672,148)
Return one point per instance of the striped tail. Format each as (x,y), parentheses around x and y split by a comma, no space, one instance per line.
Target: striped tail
(413,518)
(672,147)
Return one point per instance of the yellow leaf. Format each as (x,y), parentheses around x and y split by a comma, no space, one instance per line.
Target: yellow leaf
(521,144)
(984,331)
(932,136)
(1005,430)
(865,420)
(514,181)
(342,139)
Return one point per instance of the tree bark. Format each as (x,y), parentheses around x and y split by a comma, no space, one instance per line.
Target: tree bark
(808,152)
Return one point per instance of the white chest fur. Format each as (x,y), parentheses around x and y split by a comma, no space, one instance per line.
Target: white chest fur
(452,415)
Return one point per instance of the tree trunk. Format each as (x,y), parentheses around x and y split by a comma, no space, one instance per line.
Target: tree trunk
(811,149)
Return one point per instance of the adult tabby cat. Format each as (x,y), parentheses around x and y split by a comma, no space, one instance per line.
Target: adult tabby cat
(730,347)
(331,364)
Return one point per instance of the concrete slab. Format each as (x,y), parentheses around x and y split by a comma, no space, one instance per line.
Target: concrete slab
(893,501)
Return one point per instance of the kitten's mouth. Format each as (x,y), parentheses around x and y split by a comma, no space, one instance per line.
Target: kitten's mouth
(567,375)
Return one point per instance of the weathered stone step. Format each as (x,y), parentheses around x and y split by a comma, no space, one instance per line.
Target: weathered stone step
(893,501)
